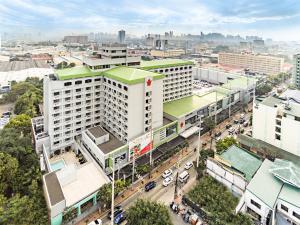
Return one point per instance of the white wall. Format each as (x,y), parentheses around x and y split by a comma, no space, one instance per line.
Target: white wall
(93,148)
(212,75)
(291,209)
(263,211)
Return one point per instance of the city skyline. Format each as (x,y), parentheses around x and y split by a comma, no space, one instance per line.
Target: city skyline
(266,18)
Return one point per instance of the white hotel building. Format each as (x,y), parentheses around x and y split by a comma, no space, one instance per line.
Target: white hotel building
(92,112)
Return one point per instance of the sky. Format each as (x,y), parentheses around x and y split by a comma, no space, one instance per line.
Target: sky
(277,19)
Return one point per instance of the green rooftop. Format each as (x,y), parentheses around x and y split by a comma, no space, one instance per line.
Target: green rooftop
(290,194)
(163,63)
(264,185)
(184,106)
(242,161)
(75,72)
(127,75)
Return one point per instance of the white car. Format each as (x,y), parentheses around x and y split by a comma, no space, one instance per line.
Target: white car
(188,165)
(167,173)
(231,130)
(167,181)
(96,222)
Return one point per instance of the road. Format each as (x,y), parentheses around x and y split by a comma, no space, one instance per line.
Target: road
(164,195)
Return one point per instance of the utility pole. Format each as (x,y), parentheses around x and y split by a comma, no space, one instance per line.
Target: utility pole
(199,141)
(113,192)
(176,187)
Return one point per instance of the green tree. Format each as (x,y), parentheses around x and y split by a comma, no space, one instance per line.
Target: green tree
(209,123)
(104,196)
(20,122)
(8,170)
(225,143)
(17,90)
(28,103)
(62,65)
(144,212)
(72,65)
(263,89)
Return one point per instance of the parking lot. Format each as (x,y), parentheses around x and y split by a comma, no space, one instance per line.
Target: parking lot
(201,87)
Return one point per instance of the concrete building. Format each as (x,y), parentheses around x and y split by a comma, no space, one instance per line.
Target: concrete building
(276,121)
(121,36)
(261,64)
(296,71)
(169,53)
(178,77)
(110,56)
(273,195)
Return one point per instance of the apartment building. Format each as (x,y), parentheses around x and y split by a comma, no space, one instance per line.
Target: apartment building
(276,121)
(296,71)
(178,77)
(110,56)
(261,64)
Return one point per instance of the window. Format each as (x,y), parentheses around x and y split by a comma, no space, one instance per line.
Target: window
(68,84)
(98,79)
(296,215)
(78,90)
(56,93)
(297,118)
(56,107)
(148,93)
(284,208)
(67,92)
(78,82)
(125,88)
(278,122)
(278,129)
(277,137)
(88,88)
(88,81)
(255,204)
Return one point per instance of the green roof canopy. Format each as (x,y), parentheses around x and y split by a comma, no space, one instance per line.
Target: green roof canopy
(127,75)
(163,63)
(242,160)
(184,106)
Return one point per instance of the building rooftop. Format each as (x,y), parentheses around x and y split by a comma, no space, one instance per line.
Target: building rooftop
(290,194)
(184,106)
(286,171)
(76,72)
(111,145)
(53,187)
(155,64)
(77,184)
(242,160)
(97,131)
(240,83)
(22,65)
(264,185)
(129,75)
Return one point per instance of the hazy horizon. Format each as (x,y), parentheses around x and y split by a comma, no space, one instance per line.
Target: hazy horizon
(274,19)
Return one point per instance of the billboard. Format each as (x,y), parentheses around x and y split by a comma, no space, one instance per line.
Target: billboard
(140,145)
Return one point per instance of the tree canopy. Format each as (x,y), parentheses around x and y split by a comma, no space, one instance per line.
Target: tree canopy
(220,204)
(225,143)
(144,212)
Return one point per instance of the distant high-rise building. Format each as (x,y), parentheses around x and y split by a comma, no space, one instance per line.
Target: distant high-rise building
(80,39)
(296,72)
(121,36)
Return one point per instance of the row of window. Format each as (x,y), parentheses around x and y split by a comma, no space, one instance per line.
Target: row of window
(286,209)
(172,69)
(115,84)
(78,82)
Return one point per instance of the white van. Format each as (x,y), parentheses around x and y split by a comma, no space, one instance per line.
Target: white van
(184,176)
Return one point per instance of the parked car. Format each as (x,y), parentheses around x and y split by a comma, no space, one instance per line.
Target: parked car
(231,130)
(96,222)
(188,165)
(242,116)
(228,126)
(6,114)
(242,121)
(120,218)
(150,185)
(167,181)
(236,121)
(218,134)
(167,173)
(117,211)
(245,124)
